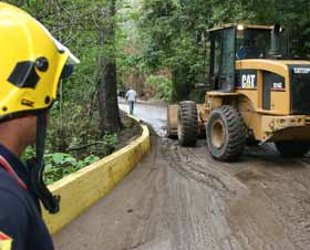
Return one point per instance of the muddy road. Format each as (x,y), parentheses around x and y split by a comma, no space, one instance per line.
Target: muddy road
(180,198)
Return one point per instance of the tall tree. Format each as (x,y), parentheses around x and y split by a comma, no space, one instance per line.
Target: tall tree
(107,81)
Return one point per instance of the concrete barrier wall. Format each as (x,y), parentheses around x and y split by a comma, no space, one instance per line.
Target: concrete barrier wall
(82,189)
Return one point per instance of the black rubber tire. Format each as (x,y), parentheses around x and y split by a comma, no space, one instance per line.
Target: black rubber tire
(227,125)
(292,148)
(187,123)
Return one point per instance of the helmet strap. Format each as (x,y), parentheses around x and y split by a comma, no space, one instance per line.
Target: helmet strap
(49,201)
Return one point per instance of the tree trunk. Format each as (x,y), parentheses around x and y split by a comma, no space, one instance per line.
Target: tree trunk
(107,79)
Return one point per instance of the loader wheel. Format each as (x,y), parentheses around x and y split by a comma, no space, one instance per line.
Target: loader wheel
(187,123)
(292,148)
(226,134)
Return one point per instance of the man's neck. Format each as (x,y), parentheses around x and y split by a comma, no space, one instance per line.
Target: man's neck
(12,138)
(14,147)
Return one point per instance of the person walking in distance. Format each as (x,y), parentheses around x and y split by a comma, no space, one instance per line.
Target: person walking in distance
(32,63)
(131,97)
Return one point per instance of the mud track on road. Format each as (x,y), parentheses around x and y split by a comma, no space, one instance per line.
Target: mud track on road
(181,198)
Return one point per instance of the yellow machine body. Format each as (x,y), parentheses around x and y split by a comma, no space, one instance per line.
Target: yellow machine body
(272,124)
(270,94)
(256,93)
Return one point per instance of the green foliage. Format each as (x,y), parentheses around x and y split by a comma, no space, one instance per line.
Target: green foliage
(28,154)
(162,85)
(170,34)
(74,138)
(58,165)
(71,124)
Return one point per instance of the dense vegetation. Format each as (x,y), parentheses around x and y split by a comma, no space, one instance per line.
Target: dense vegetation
(76,136)
(159,46)
(170,35)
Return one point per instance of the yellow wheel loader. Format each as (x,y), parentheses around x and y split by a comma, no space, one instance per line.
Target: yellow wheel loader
(257,92)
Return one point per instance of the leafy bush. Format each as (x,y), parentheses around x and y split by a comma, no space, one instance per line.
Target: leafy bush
(81,145)
(58,165)
(162,85)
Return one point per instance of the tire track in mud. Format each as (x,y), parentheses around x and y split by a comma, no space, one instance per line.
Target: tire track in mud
(201,213)
(260,202)
(178,212)
(266,201)
(182,199)
(196,163)
(275,211)
(149,230)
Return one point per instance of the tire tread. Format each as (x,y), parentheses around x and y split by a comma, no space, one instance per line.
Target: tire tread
(236,134)
(188,122)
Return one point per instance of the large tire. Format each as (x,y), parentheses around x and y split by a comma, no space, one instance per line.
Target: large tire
(226,134)
(187,123)
(292,148)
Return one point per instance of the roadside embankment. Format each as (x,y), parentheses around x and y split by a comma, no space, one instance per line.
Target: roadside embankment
(82,189)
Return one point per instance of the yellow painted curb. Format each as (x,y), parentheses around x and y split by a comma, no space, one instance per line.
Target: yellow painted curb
(82,189)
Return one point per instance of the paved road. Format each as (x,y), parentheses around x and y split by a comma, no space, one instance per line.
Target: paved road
(180,198)
(154,115)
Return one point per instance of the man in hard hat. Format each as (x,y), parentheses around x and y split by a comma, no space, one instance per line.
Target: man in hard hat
(32,63)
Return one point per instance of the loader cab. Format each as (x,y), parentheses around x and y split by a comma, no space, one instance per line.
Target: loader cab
(234,42)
